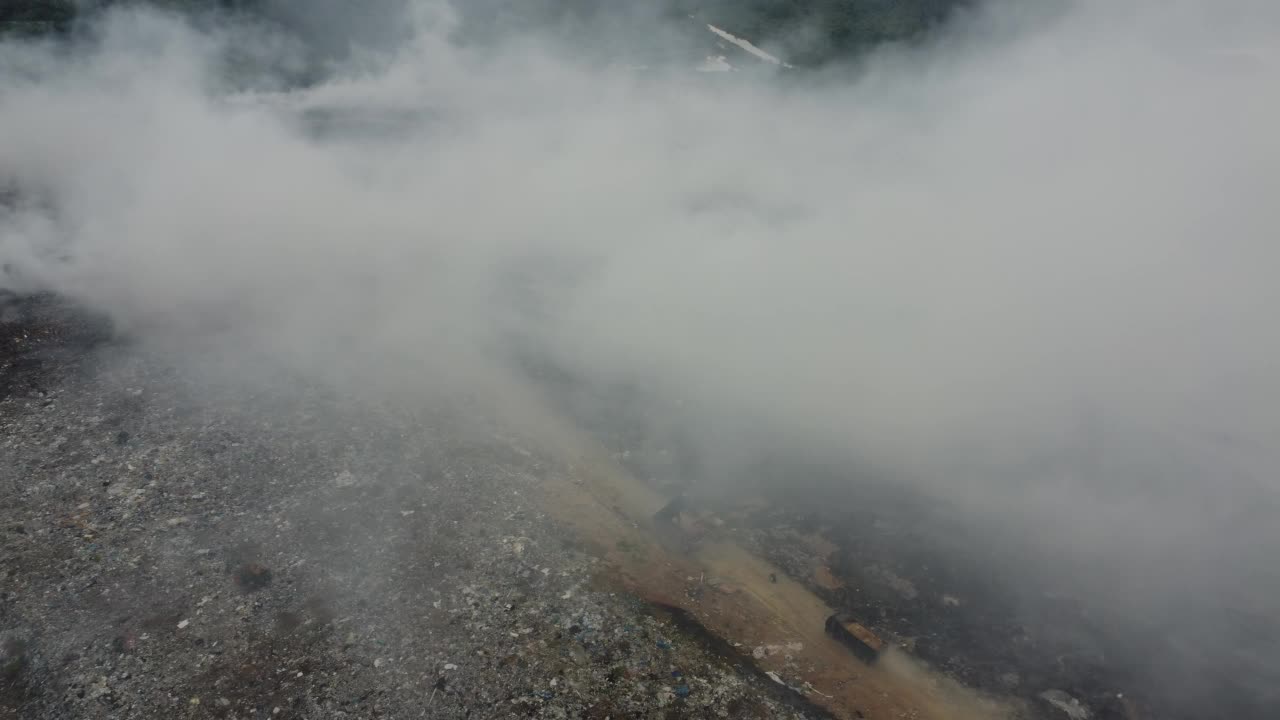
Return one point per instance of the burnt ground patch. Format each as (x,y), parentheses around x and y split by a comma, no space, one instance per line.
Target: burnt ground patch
(1000,614)
(917,574)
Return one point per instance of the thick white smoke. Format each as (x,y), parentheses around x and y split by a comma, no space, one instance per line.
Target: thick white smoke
(1031,267)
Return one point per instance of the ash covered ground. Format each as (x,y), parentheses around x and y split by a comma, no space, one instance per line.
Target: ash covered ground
(174,545)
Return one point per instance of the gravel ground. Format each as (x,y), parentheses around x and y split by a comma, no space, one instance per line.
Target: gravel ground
(174,544)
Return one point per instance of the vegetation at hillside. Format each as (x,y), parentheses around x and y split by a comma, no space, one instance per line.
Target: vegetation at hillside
(36,16)
(807,32)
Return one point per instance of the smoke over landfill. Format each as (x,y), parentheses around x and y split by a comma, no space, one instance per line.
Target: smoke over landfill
(1024,266)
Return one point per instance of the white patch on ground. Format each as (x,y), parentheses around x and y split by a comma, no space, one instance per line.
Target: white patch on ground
(746,45)
(897,583)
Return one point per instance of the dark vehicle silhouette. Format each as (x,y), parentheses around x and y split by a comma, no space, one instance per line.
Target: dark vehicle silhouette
(864,643)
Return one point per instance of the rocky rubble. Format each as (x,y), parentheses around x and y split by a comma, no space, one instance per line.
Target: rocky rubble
(176,543)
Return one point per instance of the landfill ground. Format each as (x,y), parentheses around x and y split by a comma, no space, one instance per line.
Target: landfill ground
(167,553)
(176,543)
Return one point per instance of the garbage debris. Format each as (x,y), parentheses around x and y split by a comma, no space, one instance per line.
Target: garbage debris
(369,614)
(1073,708)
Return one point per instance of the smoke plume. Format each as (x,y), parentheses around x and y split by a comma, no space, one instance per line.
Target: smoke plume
(1027,267)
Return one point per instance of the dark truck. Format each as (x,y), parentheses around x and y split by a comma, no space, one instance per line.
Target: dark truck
(857,638)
